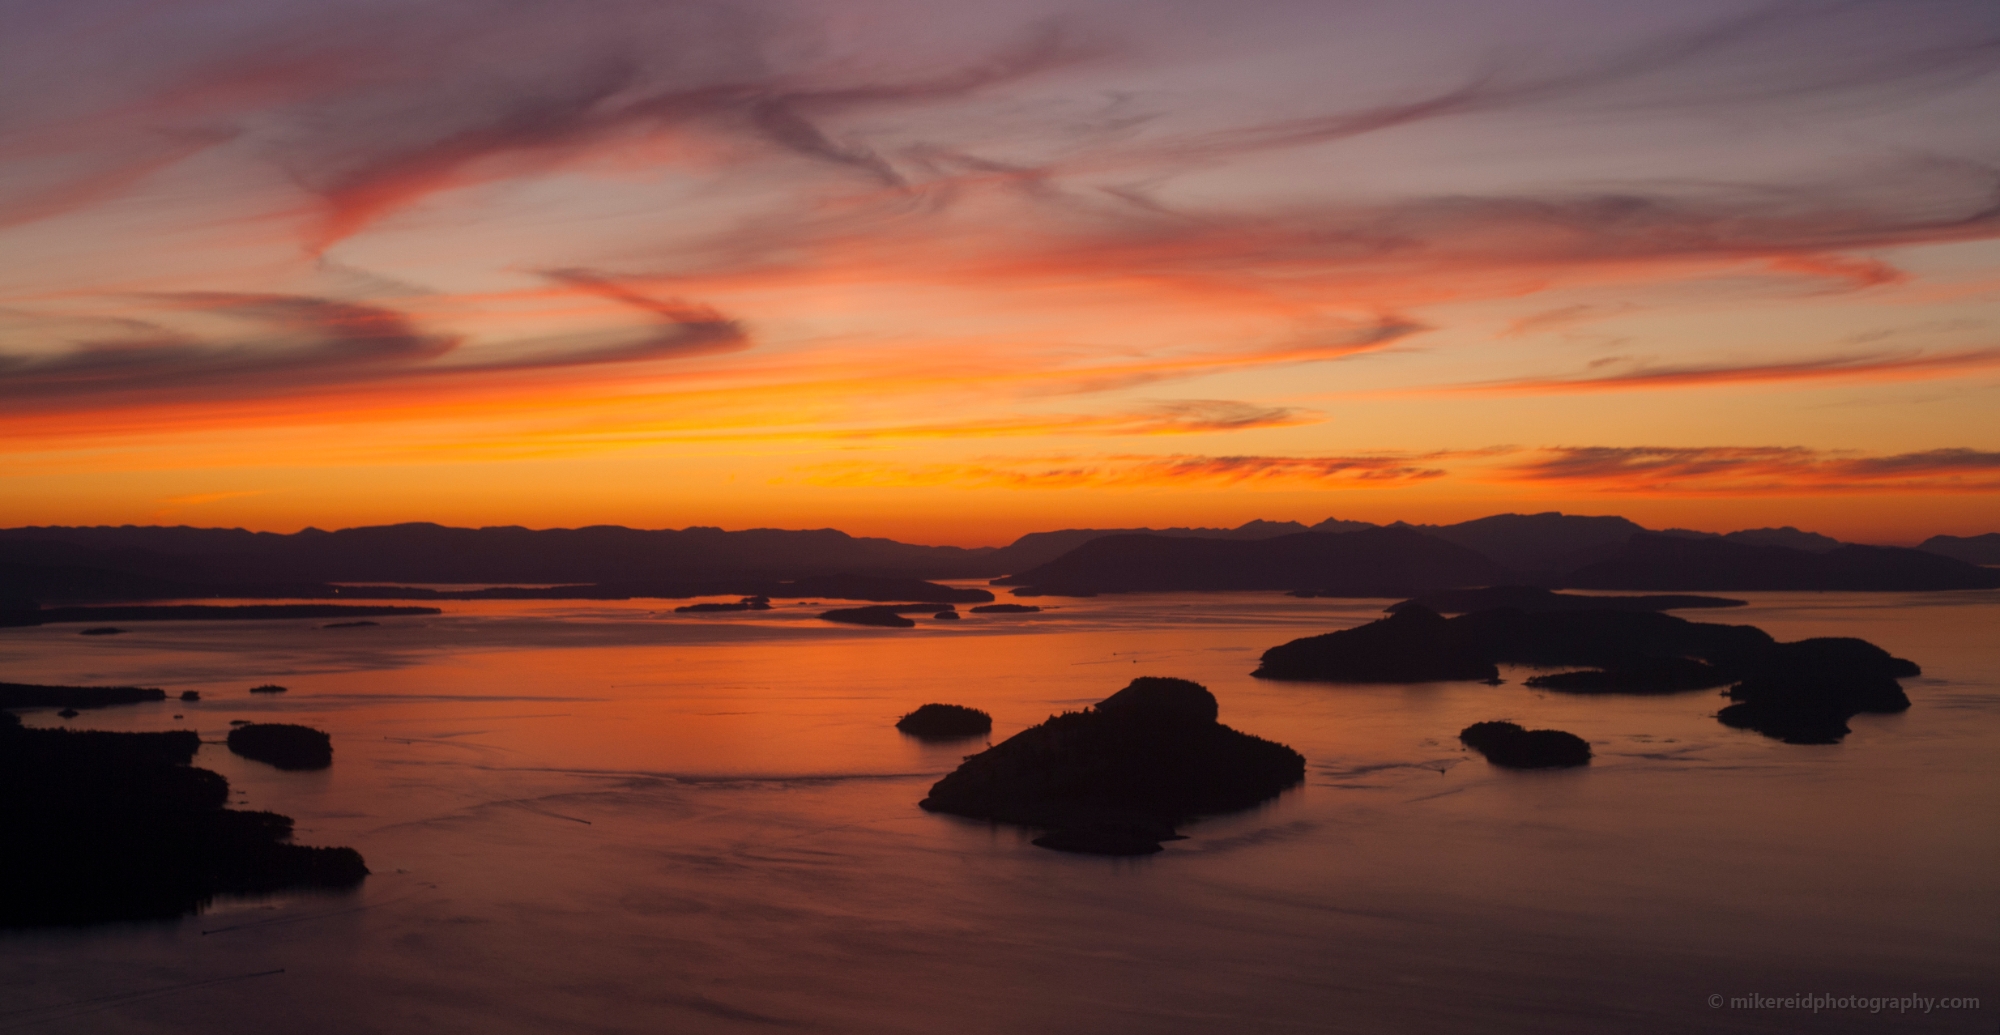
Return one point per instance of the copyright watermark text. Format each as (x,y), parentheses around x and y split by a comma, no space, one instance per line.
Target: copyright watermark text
(1819,1001)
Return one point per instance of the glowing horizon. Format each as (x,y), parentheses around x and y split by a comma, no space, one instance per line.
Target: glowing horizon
(950,274)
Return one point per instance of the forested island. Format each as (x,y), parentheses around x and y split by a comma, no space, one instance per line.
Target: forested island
(103,827)
(1802,692)
(1118,777)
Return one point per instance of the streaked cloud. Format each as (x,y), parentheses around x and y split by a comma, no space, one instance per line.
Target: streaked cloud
(1138,471)
(616,91)
(1771,52)
(1563,318)
(289,344)
(1619,375)
(1171,417)
(1736,471)
(1208,415)
(487,232)
(298,341)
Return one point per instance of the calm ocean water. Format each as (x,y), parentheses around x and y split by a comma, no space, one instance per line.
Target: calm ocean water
(592,817)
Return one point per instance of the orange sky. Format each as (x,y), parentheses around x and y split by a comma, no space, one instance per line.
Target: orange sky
(953,274)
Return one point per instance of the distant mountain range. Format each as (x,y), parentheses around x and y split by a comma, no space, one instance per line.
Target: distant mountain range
(1549,550)
(1973,549)
(53,565)
(1662,562)
(428,553)
(1366,563)
(1038,548)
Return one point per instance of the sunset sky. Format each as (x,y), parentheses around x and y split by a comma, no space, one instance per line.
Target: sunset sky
(951,272)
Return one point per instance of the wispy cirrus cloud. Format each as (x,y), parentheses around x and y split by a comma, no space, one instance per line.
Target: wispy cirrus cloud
(1169,417)
(1139,471)
(300,342)
(1195,416)
(1563,318)
(1612,375)
(1803,232)
(1758,470)
(68,186)
(610,93)
(1100,376)
(1772,52)
(950,221)
(371,111)
(691,329)
(291,344)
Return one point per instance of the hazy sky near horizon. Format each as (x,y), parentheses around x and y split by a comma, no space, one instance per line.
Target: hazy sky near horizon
(953,271)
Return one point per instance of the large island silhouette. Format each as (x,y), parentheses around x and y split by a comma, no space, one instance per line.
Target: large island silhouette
(101,827)
(1801,693)
(1117,778)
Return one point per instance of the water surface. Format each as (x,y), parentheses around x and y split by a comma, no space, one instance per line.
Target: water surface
(605,817)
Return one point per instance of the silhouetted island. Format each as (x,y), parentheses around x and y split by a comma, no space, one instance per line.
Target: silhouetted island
(1800,692)
(886,615)
(945,721)
(350,625)
(1005,609)
(1532,598)
(1505,744)
(103,827)
(267,688)
(882,616)
(1804,692)
(102,630)
(190,695)
(1413,645)
(35,695)
(758,603)
(876,587)
(1117,778)
(283,745)
(1666,675)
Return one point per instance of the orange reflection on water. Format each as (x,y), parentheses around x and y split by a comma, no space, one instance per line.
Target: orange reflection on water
(558,798)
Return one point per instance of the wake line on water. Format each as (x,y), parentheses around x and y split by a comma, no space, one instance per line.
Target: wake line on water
(1439,765)
(693,779)
(480,698)
(275,921)
(1261,836)
(521,803)
(637,779)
